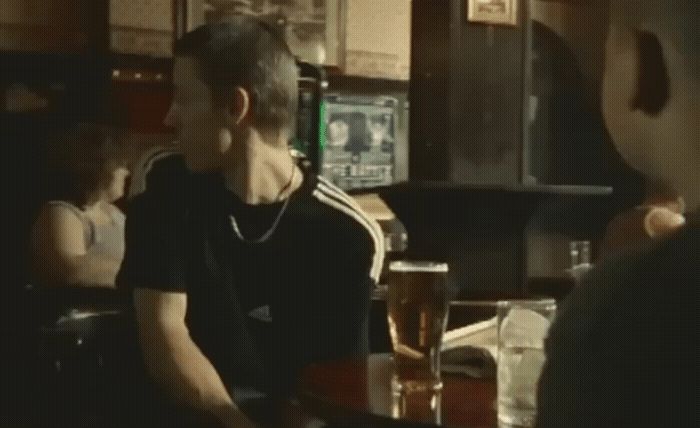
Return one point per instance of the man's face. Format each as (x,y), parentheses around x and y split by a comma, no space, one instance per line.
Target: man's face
(619,89)
(661,145)
(201,127)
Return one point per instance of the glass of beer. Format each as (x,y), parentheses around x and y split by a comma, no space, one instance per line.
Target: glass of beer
(417,406)
(417,305)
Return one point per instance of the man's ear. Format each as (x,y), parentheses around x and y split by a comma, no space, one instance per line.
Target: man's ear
(653,87)
(240,105)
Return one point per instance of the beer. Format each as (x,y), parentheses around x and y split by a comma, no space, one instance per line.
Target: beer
(418,406)
(417,304)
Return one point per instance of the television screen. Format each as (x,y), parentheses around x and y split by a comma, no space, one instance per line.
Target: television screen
(360,144)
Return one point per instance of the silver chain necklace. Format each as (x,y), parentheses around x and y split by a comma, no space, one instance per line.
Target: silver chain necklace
(265,236)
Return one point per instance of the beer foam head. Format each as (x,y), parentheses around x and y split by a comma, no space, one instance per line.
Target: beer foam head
(406,266)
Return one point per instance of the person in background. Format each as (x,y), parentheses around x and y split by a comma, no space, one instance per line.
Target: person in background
(78,238)
(622,350)
(245,266)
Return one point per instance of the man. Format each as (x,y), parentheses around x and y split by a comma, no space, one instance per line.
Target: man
(623,350)
(245,267)
(660,214)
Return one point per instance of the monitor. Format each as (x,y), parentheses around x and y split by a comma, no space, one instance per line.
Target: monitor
(361,139)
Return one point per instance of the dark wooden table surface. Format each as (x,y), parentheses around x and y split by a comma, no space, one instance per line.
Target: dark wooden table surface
(358,393)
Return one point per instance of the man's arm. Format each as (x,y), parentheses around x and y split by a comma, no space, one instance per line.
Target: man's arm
(92,270)
(60,256)
(565,389)
(343,305)
(175,361)
(580,385)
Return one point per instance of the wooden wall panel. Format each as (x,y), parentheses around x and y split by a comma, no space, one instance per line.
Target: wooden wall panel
(53,25)
(583,25)
(468,82)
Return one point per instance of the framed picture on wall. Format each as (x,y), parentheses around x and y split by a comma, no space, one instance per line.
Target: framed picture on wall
(503,12)
(142,27)
(378,39)
(310,27)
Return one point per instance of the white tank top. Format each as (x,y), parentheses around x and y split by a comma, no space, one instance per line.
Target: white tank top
(105,239)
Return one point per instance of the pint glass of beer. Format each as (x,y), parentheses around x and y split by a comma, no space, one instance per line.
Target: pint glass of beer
(417,303)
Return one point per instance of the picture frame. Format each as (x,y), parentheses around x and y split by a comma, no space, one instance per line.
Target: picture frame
(311,28)
(143,27)
(496,12)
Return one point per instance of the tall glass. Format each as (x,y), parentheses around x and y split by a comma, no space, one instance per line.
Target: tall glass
(522,328)
(418,406)
(417,304)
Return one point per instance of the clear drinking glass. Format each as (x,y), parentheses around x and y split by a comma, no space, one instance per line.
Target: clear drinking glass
(580,253)
(418,406)
(417,305)
(522,328)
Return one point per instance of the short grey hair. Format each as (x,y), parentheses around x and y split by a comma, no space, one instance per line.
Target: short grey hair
(244,51)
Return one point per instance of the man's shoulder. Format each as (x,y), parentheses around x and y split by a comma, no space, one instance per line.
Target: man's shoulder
(159,170)
(622,328)
(334,208)
(344,221)
(676,258)
(161,188)
(638,283)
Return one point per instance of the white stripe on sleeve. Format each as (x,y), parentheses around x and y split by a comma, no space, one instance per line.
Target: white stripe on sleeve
(144,166)
(375,232)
